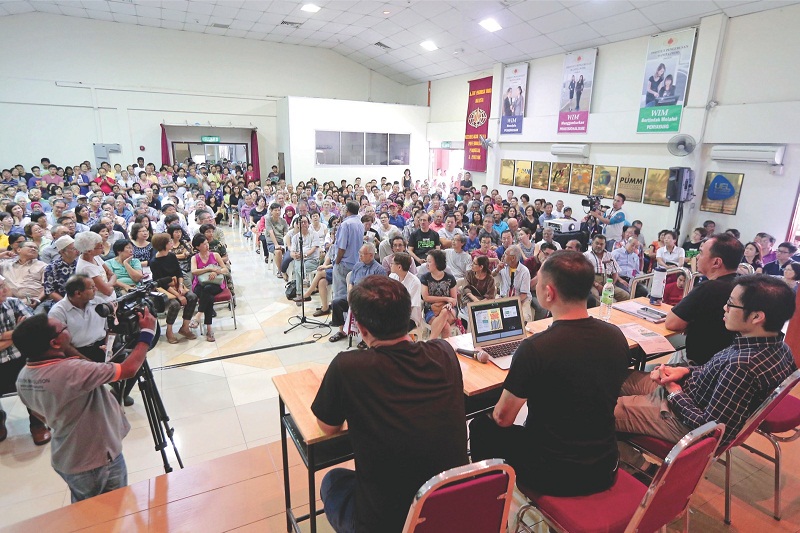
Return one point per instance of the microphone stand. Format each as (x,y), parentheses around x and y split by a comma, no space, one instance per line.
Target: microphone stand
(309,323)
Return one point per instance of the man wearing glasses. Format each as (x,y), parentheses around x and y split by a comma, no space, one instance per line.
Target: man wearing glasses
(699,315)
(783,256)
(67,392)
(671,401)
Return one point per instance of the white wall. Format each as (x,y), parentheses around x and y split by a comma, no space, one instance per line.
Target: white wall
(69,82)
(744,63)
(306,115)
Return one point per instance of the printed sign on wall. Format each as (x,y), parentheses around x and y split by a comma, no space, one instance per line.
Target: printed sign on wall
(515,89)
(631,183)
(604,181)
(576,91)
(655,189)
(560,179)
(666,77)
(479,109)
(721,193)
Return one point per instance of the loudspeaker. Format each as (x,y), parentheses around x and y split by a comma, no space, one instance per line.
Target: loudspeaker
(680,186)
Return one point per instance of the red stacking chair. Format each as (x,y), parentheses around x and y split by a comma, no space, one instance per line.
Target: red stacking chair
(657,448)
(226,298)
(474,498)
(629,505)
(784,418)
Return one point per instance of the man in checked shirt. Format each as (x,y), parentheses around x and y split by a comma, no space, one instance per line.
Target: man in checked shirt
(671,401)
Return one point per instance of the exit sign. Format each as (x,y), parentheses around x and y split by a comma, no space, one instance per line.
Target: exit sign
(209,139)
(445,144)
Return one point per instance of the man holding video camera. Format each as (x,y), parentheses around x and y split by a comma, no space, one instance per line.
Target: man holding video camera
(67,392)
(78,313)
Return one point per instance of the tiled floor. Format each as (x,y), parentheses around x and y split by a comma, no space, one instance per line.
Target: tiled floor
(223,407)
(216,408)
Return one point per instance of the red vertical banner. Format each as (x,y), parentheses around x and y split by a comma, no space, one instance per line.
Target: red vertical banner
(479,109)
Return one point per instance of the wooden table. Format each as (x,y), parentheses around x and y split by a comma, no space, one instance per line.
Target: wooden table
(618,318)
(296,392)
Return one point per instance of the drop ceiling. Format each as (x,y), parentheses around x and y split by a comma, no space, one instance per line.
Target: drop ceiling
(530,28)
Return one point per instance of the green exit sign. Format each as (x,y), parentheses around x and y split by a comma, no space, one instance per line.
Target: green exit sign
(445,144)
(209,139)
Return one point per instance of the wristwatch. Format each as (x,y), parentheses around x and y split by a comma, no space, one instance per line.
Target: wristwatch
(672,395)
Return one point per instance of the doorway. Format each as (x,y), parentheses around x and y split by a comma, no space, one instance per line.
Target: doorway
(445,164)
(201,153)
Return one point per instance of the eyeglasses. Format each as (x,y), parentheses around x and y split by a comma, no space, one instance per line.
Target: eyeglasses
(734,306)
(60,331)
(782,251)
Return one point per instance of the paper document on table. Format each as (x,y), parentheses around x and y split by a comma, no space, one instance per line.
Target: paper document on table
(649,341)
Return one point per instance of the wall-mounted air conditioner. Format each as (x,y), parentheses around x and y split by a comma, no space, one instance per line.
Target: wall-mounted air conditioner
(570,150)
(769,154)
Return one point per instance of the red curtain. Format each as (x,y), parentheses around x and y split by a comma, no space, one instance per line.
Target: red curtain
(254,155)
(164,147)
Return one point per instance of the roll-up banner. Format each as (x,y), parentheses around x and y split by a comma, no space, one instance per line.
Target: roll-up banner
(479,109)
(515,90)
(576,91)
(666,77)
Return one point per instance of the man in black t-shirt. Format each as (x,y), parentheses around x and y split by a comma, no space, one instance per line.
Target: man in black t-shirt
(700,313)
(466,184)
(423,240)
(404,406)
(570,376)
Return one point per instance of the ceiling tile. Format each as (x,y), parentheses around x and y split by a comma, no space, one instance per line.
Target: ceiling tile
(752,7)
(479,10)
(224,10)
(70,10)
(592,43)
(505,54)
(270,18)
(148,21)
(333,27)
(148,11)
(15,8)
(520,32)
(248,14)
(678,24)
(573,35)
(282,6)
(313,24)
(631,20)
(666,11)
(121,7)
(100,15)
(200,7)
(536,44)
(46,7)
(532,10)
(594,11)
(97,5)
(407,18)
(215,31)
(245,25)
(197,18)
(327,14)
(633,34)
(172,25)
(178,5)
(196,28)
(558,21)
(430,9)
(171,14)
(347,18)
(125,19)
(506,18)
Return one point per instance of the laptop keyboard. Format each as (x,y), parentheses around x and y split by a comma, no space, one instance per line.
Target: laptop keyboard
(502,350)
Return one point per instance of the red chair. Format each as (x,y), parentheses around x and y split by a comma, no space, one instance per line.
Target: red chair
(474,498)
(228,299)
(784,418)
(629,505)
(656,447)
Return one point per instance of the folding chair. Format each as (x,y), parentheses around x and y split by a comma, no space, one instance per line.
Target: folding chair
(473,498)
(657,448)
(784,418)
(629,505)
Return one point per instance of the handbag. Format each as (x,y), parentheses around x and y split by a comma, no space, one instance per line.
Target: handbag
(205,279)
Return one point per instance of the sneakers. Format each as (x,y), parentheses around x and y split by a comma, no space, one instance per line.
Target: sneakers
(322,312)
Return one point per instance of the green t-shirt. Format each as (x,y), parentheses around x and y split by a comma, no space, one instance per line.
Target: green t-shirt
(120,271)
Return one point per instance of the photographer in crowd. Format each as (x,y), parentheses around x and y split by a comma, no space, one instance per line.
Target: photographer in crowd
(68,393)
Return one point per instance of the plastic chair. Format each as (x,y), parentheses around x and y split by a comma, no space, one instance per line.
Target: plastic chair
(784,418)
(656,447)
(473,498)
(629,505)
(224,298)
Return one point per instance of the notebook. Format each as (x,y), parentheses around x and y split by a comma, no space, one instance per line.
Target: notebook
(497,328)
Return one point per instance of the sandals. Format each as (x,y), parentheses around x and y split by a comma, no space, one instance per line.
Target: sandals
(172,340)
(210,337)
(194,324)
(322,312)
(336,337)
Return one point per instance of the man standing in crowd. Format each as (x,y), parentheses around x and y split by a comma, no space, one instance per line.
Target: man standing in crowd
(783,256)
(731,385)
(570,376)
(700,313)
(423,240)
(349,238)
(68,392)
(614,220)
(404,406)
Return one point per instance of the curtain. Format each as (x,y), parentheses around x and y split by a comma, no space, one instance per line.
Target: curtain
(164,147)
(254,155)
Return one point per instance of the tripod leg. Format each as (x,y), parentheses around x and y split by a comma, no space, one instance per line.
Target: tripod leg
(160,418)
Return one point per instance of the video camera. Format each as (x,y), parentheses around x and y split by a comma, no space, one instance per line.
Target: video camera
(593,202)
(131,305)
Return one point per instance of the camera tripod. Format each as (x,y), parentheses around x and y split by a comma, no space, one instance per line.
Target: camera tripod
(157,415)
(309,323)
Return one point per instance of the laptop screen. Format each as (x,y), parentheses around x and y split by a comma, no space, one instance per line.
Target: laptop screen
(496,320)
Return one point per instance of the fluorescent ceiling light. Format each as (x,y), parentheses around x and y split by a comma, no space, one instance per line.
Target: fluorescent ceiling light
(310,8)
(490,25)
(430,46)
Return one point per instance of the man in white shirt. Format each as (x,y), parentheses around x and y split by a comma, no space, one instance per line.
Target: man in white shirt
(670,254)
(448,232)
(515,279)
(605,267)
(400,265)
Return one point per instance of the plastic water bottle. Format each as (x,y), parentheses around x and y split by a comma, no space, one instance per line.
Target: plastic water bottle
(607,300)
(657,288)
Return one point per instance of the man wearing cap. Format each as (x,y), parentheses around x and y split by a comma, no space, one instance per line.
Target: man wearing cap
(60,269)
(395,218)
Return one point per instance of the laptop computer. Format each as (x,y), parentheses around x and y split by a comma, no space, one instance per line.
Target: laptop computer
(497,328)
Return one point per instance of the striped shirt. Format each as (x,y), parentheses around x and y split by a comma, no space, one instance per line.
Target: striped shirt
(731,386)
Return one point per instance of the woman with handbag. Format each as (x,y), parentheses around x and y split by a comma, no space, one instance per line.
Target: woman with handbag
(439,294)
(209,272)
(165,264)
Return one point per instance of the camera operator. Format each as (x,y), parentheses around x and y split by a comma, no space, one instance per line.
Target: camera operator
(614,220)
(68,393)
(78,312)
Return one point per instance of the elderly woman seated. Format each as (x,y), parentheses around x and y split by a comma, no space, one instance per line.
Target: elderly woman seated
(127,268)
